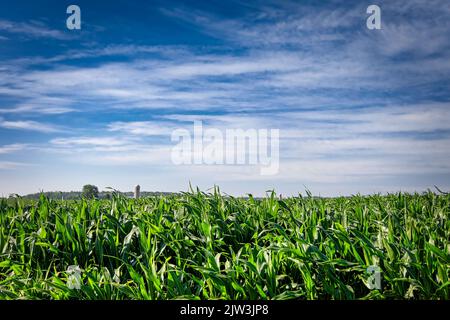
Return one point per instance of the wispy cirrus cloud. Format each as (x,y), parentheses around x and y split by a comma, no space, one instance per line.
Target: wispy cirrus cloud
(366,109)
(28,125)
(89,141)
(11,148)
(33,29)
(9,165)
(143,128)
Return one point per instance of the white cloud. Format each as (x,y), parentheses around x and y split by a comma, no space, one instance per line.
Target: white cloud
(34,29)
(11,148)
(28,125)
(89,141)
(7,165)
(143,128)
(341,98)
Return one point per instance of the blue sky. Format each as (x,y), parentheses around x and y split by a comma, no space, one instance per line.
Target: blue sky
(359,111)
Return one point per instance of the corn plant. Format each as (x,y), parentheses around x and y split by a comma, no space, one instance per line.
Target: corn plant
(209,246)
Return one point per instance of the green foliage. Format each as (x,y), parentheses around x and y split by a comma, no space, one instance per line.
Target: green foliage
(77,195)
(90,191)
(207,246)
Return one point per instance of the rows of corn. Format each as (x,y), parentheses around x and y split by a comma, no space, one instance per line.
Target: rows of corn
(209,246)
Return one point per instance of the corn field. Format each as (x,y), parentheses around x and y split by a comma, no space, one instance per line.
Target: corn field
(200,245)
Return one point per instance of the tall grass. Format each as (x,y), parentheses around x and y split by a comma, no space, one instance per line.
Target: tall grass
(207,246)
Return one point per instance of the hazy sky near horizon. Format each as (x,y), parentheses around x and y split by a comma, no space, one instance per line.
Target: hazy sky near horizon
(359,110)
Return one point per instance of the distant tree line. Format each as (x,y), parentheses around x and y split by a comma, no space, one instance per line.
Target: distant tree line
(89,192)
